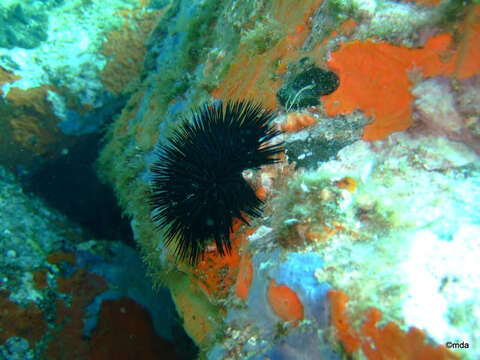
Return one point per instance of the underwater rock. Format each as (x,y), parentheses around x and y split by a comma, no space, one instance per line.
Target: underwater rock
(52,274)
(354,205)
(389,237)
(440,116)
(469,96)
(323,140)
(63,67)
(22,26)
(16,348)
(457,116)
(261,329)
(305,87)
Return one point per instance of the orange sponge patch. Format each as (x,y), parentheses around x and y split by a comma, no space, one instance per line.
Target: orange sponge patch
(125,48)
(27,322)
(298,121)
(125,331)
(215,274)
(7,76)
(347,183)
(257,76)
(261,193)
(373,77)
(244,278)
(387,342)
(345,333)
(285,302)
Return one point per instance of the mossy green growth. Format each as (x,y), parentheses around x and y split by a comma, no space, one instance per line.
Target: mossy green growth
(454,10)
(213,33)
(175,76)
(341,9)
(241,26)
(121,162)
(266,34)
(125,148)
(22,26)
(459,314)
(199,32)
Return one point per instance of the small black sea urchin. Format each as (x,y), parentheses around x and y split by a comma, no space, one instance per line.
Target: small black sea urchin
(197,183)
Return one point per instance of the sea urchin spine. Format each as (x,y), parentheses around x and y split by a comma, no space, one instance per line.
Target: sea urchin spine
(197,183)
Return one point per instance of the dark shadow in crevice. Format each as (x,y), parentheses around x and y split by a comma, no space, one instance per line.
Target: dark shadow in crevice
(71,185)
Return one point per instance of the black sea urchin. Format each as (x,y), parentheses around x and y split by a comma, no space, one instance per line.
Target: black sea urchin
(197,183)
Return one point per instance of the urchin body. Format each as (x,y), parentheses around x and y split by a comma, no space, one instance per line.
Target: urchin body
(197,183)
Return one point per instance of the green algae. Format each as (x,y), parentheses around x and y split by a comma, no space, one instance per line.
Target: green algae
(266,34)
(22,26)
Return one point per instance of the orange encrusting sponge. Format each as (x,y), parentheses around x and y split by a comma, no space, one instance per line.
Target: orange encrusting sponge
(285,302)
(387,342)
(374,77)
(215,274)
(261,192)
(347,183)
(297,121)
(244,278)
(257,75)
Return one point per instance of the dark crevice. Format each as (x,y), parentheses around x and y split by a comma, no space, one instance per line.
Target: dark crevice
(71,185)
